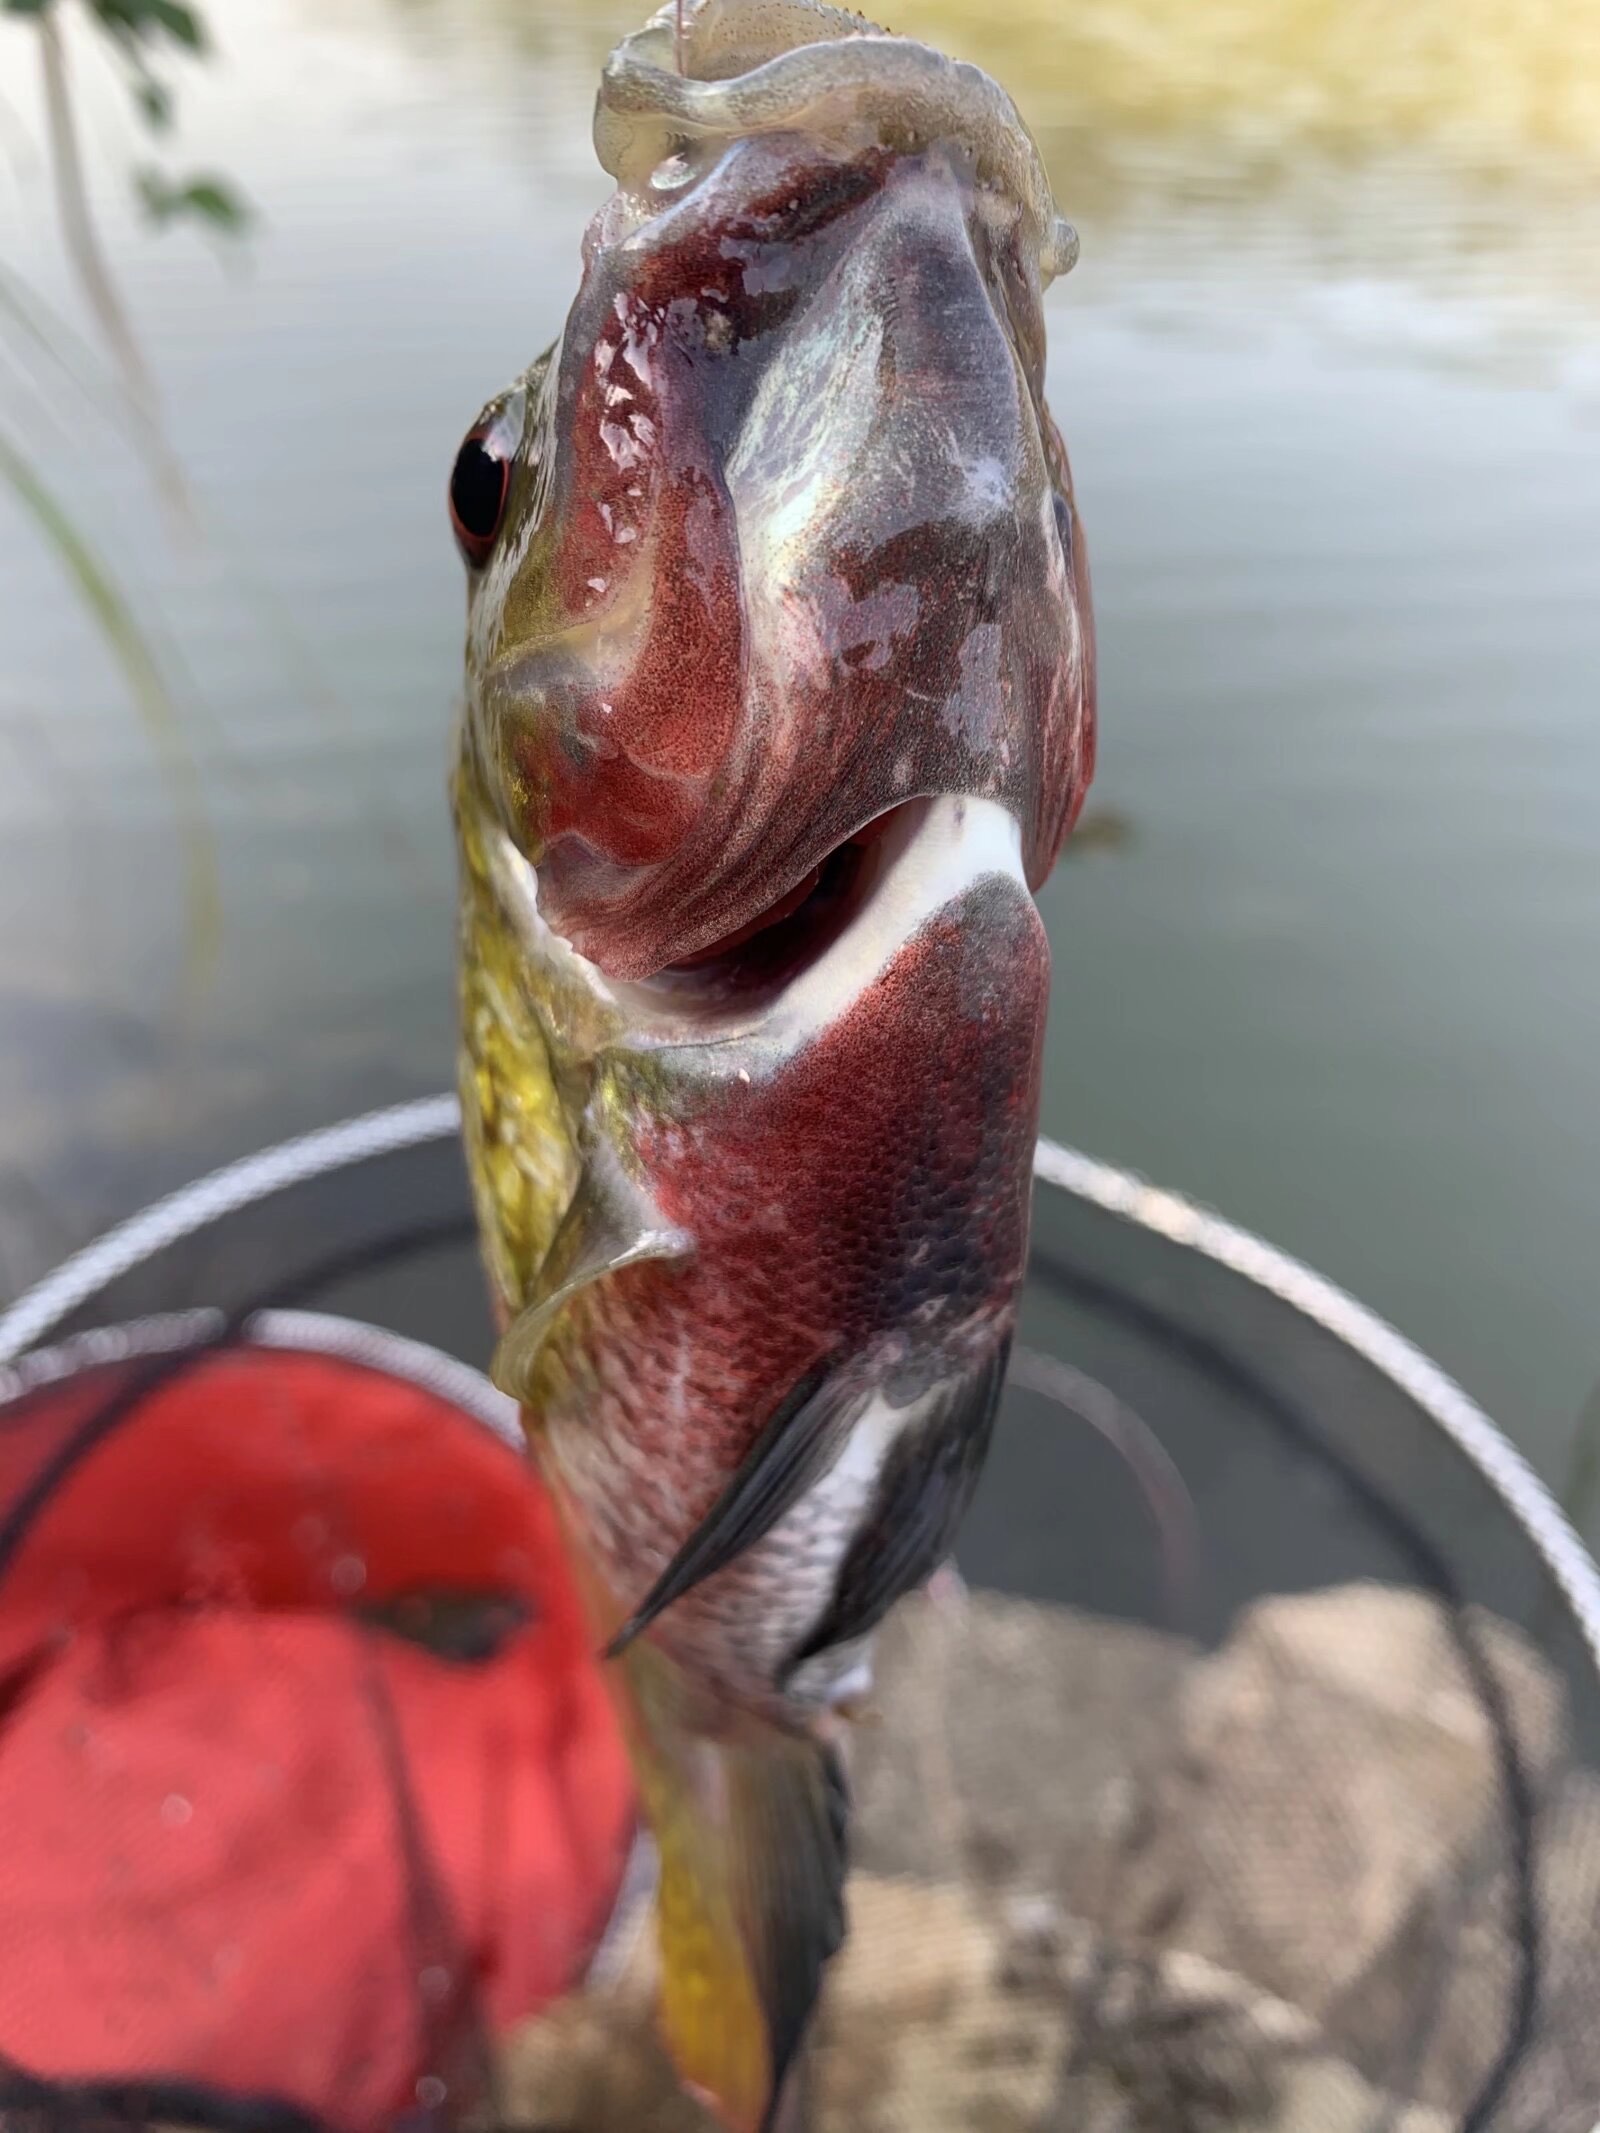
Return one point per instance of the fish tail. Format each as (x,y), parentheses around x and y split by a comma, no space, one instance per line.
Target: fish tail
(750,1828)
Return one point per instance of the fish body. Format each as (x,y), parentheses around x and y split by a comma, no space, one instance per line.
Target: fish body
(779,703)
(804,1228)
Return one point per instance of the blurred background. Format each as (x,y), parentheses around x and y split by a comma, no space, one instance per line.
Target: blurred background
(1328,949)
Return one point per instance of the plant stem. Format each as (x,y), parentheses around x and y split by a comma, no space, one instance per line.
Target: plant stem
(82,242)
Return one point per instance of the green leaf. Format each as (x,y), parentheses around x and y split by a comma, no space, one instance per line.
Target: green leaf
(24,7)
(148,19)
(203,199)
(154,100)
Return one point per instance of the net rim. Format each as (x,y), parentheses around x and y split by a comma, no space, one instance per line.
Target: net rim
(299,1332)
(1467,1426)
(1123,1193)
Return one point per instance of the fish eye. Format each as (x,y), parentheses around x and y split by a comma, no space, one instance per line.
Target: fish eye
(480,483)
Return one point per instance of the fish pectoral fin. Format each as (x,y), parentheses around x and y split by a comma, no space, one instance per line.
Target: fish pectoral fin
(609,1224)
(922,1494)
(751,1832)
(798,1443)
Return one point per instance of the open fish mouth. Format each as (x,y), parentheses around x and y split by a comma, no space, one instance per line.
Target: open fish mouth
(821,947)
(796,930)
(739,68)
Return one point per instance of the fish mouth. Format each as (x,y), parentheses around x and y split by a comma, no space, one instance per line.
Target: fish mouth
(793,966)
(802,67)
(796,931)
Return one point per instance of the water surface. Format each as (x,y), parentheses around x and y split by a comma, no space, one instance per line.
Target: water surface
(1330,373)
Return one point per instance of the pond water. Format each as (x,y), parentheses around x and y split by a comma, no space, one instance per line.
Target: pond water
(1329,954)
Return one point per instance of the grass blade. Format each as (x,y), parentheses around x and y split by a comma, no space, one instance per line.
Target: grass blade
(114,618)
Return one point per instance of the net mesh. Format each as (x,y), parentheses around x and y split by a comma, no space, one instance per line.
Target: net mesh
(1248,1777)
(308,1785)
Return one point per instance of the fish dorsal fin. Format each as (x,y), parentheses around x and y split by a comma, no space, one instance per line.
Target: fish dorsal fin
(609,1223)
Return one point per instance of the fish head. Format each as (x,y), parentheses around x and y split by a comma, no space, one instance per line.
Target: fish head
(781,536)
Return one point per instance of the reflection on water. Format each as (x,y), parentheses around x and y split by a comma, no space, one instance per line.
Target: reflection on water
(1329,372)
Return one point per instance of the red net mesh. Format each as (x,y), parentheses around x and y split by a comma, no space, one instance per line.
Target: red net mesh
(309,1784)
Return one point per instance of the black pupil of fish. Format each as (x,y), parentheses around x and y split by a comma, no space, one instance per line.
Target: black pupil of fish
(478,487)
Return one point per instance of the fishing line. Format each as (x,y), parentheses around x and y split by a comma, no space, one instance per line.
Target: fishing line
(1155,1472)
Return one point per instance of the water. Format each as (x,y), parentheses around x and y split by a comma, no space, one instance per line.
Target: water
(1330,373)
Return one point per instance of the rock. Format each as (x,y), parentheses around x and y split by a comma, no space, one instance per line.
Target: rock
(948,2013)
(1110,1885)
(1332,1779)
(921,2030)
(1327,2096)
(1007,1740)
(1556,2087)
(953,2015)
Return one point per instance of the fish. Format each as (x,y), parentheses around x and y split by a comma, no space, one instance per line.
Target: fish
(779,702)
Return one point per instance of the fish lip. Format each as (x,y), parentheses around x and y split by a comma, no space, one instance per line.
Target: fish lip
(646,112)
(519,679)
